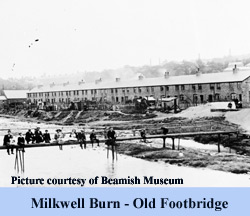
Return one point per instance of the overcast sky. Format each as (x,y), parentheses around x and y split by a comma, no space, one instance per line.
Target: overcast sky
(79,35)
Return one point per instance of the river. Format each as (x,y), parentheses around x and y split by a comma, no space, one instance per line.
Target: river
(74,162)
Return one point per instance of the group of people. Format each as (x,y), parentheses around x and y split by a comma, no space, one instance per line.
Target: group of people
(9,142)
(38,137)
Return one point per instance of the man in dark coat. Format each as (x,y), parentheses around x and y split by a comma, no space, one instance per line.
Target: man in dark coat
(29,136)
(93,138)
(82,138)
(111,136)
(38,135)
(7,142)
(46,137)
(164,130)
(21,141)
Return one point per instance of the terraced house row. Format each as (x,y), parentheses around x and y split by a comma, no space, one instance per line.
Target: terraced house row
(198,88)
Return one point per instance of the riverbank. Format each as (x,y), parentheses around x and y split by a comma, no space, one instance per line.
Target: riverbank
(227,162)
(237,162)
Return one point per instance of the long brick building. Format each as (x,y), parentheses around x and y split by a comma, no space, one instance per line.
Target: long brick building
(199,88)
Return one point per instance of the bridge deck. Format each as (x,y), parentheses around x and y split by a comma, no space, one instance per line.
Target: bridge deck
(120,139)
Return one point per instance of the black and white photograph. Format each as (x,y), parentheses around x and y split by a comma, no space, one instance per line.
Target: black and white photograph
(134,93)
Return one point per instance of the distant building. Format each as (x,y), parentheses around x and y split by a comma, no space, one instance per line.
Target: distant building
(189,89)
(15,98)
(2,101)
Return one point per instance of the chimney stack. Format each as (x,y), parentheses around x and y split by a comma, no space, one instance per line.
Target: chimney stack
(117,79)
(235,69)
(198,72)
(98,80)
(81,82)
(52,84)
(166,75)
(67,83)
(140,77)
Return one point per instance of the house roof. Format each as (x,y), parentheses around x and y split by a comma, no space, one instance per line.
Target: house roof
(2,98)
(15,94)
(221,77)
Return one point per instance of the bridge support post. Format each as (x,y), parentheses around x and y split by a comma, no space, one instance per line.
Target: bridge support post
(229,143)
(164,142)
(219,143)
(173,147)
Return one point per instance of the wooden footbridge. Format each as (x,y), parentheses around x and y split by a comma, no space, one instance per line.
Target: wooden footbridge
(19,159)
(173,136)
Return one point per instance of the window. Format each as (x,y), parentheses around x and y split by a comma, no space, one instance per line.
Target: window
(231,85)
(195,98)
(116,90)
(218,86)
(181,97)
(82,92)
(69,93)
(92,92)
(240,97)
(161,88)
(217,97)
(202,98)
(182,87)
(139,90)
(95,91)
(147,89)
(167,88)
(122,99)
(233,96)
(134,90)
(176,88)
(127,90)
(152,89)
(77,92)
(86,91)
(117,99)
(193,87)
(123,91)
(112,91)
(238,85)
(212,86)
(199,87)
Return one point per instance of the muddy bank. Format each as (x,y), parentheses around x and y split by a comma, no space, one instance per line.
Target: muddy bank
(72,117)
(227,162)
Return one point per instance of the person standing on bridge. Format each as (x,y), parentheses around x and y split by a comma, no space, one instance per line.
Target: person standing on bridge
(164,130)
(111,136)
(58,137)
(29,136)
(7,140)
(21,141)
(82,138)
(143,135)
(46,137)
(93,138)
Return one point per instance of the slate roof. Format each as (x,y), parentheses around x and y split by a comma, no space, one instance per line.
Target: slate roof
(221,77)
(15,94)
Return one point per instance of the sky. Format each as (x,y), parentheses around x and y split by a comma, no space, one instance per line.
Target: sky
(93,35)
